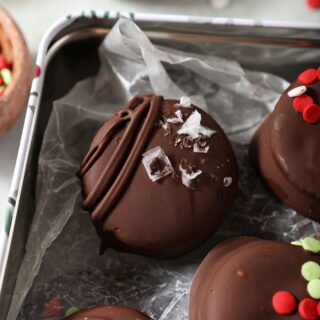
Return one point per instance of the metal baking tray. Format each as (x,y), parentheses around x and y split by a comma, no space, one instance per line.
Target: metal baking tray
(68,54)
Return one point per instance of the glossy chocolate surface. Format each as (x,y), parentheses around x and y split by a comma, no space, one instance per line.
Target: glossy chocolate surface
(108,313)
(164,218)
(238,278)
(286,150)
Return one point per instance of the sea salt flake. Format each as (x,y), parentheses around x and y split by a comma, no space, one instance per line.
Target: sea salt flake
(227,181)
(298,91)
(193,128)
(165,125)
(187,178)
(157,164)
(199,149)
(177,141)
(185,102)
(177,119)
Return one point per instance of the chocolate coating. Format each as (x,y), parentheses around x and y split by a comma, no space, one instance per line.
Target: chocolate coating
(237,279)
(286,150)
(163,218)
(108,313)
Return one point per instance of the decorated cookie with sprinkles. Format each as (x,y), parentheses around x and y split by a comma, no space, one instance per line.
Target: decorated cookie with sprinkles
(108,313)
(248,278)
(286,146)
(158,177)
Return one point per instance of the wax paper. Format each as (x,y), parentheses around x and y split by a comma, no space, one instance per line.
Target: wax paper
(62,268)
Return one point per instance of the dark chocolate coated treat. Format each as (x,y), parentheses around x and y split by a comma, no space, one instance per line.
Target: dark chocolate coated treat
(238,279)
(158,178)
(286,150)
(108,313)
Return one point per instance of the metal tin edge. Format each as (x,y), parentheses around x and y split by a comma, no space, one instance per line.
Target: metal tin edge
(6,230)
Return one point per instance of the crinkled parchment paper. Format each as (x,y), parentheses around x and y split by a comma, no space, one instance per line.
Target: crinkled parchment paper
(62,261)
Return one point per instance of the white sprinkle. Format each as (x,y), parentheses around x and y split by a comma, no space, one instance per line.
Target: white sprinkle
(227,181)
(177,119)
(153,154)
(188,177)
(185,102)
(298,91)
(193,128)
(198,149)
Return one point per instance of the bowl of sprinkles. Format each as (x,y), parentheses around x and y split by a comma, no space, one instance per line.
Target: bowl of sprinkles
(15,72)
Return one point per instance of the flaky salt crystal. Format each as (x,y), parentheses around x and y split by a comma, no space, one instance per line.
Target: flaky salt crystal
(187,178)
(177,118)
(165,125)
(227,181)
(198,149)
(193,128)
(185,102)
(157,164)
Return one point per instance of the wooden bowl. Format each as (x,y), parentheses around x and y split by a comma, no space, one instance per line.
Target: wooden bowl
(13,46)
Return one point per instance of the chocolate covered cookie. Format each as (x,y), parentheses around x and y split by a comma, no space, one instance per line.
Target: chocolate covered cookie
(108,313)
(286,146)
(158,178)
(248,278)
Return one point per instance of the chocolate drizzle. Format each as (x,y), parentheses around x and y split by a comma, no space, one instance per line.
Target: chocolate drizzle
(141,113)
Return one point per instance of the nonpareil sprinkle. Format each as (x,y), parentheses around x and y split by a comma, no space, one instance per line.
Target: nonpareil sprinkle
(5,74)
(283,302)
(308,76)
(311,244)
(308,309)
(313,288)
(310,270)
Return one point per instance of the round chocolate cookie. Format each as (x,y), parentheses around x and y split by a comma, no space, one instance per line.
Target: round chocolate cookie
(108,313)
(247,278)
(286,147)
(158,178)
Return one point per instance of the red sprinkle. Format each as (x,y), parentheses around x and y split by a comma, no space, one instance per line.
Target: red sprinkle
(283,302)
(311,113)
(4,63)
(308,309)
(52,308)
(313,4)
(1,82)
(308,76)
(318,73)
(318,309)
(301,102)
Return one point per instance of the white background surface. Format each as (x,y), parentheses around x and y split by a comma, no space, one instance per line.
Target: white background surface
(36,16)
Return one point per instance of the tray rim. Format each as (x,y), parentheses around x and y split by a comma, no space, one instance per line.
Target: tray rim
(8,226)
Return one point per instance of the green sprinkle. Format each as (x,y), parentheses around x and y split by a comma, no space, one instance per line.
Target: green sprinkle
(6,76)
(71,311)
(310,270)
(297,243)
(314,288)
(311,244)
